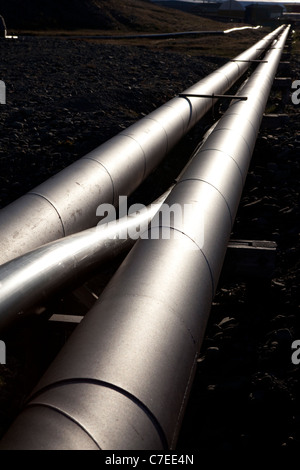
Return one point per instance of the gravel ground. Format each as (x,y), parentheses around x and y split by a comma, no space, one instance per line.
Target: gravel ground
(66,97)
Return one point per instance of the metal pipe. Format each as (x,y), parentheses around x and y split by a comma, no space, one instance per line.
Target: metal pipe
(34,276)
(67,202)
(123,378)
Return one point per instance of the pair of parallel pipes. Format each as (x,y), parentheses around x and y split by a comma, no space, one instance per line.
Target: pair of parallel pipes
(34,276)
(123,378)
(67,202)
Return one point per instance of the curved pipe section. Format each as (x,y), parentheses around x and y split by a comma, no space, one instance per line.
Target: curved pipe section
(129,365)
(34,276)
(167,35)
(67,202)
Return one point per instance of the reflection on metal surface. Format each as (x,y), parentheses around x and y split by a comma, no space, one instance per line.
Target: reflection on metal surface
(34,276)
(67,202)
(123,379)
(240,28)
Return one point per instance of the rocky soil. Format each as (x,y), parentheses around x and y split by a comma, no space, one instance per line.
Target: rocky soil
(64,98)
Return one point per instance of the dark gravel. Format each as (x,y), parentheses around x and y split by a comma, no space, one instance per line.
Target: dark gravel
(66,97)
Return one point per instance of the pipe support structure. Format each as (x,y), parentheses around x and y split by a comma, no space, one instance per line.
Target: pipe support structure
(123,379)
(66,203)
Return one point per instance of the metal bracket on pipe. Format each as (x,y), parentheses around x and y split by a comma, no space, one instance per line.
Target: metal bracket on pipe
(270,48)
(249,60)
(196,95)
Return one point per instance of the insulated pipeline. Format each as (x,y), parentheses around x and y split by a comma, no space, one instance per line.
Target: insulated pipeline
(66,203)
(33,277)
(123,379)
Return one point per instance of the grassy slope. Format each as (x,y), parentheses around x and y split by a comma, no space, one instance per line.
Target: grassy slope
(104,15)
(123,17)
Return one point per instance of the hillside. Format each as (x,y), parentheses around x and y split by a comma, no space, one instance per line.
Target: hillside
(105,15)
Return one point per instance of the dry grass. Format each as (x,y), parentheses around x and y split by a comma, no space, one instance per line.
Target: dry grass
(227,46)
(118,16)
(296,41)
(221,46)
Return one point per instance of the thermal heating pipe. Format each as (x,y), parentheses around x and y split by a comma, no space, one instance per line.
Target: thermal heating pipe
(33,277)
(123,378)
(66,203)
